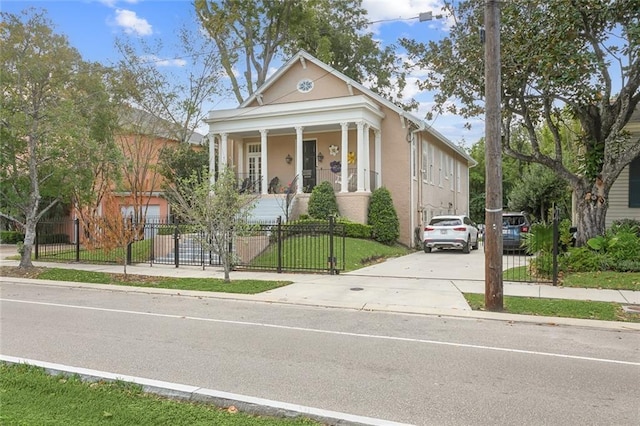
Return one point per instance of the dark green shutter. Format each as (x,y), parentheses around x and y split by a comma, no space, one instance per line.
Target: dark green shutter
(634,183)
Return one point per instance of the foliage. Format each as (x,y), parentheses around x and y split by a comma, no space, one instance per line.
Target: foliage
(537,190)
(383,217)
(631,224)
(355,229)
(617,250)
(218,211)
(11,237)
(560,66)
(323,202)
(110,230)
(56,122)
(250,34)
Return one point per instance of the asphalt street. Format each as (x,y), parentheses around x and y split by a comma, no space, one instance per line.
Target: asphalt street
(407,368)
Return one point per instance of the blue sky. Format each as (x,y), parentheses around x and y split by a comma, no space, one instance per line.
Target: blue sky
(93,25)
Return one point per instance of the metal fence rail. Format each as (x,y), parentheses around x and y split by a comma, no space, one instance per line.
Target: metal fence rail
(274,246)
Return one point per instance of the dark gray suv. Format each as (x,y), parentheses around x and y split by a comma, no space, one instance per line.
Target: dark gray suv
(513,226)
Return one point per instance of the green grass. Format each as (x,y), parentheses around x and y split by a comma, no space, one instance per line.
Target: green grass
(30,396)
(200,284)
(605,311)
(518,273)
(357,253)
(140,251)
(604,279)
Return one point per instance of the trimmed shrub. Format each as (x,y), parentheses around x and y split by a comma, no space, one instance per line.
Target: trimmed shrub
(11,237)
(322,202)
(356,230)
(383,217)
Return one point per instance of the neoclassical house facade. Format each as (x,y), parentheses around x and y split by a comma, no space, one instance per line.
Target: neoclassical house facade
(311,123)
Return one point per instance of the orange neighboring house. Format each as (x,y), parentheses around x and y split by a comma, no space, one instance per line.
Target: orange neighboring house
(143,139)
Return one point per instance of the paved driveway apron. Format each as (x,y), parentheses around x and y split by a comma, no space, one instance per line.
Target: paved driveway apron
(416,283)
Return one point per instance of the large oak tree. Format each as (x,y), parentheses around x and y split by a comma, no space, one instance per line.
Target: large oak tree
(558,56)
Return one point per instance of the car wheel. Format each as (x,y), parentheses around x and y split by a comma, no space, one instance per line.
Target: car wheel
(427,249)
(467,245)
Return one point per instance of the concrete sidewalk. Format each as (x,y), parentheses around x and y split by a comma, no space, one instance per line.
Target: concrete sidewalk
(369,290)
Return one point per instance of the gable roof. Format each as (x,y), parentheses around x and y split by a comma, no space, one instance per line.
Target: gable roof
(303,56)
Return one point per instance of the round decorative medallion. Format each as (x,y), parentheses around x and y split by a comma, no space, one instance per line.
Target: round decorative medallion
(305,86)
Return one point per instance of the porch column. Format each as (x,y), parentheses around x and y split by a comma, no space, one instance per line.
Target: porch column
(360,156)
(344,160)
(212,158)
(367,159)
(222,155)
(299,158)
(263,160)
(377,148)
(240,161)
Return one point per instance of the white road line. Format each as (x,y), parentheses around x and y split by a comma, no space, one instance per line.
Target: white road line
(339,333)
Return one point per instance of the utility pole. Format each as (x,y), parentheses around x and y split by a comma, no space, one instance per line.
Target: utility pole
(493,158)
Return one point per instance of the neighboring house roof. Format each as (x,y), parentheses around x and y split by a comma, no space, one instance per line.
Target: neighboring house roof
(303,55)
(146,123)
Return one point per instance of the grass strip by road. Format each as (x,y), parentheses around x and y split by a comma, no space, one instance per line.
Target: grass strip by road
(31,396)
(584,309)
(199,284)
(604,279)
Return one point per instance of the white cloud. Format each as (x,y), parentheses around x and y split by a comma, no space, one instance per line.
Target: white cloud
(131,23)
(160,62)
(112,3)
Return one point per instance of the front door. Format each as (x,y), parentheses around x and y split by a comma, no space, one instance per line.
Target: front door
(308,165)
(254,160)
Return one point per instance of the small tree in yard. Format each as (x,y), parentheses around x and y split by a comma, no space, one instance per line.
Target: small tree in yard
(383,217)
(217,212)
(322,202)
(111,231)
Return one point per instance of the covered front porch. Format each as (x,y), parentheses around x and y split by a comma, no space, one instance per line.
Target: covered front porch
(299,145)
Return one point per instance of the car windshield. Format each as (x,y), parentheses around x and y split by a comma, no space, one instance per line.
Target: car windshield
(512,221)
(445,221)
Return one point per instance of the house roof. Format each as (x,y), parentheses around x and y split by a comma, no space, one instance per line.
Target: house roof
(303,55)
(138,120)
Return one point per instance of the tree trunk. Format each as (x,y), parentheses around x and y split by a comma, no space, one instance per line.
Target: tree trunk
(591,212)
(29,238)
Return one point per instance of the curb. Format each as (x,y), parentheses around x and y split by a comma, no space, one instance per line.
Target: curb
(246,404)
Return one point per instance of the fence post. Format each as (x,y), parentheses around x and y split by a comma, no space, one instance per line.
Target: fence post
(176,245)
(556,218)
(332,259)
(279,236)
(37,251)
(76,224)
(129,244)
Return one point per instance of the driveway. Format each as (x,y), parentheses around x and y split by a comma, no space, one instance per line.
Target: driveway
(439,264)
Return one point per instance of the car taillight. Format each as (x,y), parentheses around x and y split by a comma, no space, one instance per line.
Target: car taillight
(460,228)
(429,228)
(524,228)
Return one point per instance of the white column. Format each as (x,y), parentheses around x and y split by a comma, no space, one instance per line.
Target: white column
(360,155)
(240,160)
(367,159)
(344,160)
(222,155)
(212,158)
(299,158)
(378,154)
(263,161)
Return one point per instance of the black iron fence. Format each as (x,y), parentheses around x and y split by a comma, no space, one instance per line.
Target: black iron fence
(275,246)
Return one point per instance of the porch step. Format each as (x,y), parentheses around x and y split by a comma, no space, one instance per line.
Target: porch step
(268,208)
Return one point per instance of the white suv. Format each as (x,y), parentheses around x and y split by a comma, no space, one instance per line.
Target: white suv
(450,232)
